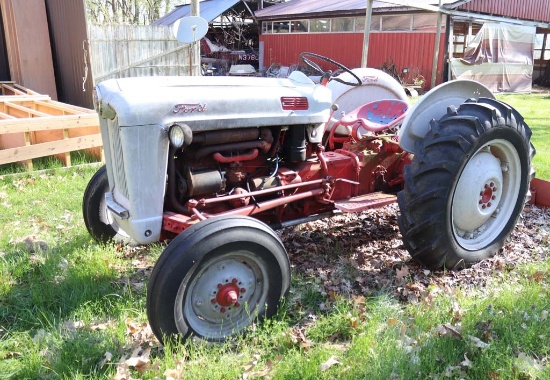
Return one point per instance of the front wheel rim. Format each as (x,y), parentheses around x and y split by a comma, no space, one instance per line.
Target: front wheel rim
(224,297)
(486,195)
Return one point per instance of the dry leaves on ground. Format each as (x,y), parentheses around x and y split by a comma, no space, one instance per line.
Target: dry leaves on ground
(360,254)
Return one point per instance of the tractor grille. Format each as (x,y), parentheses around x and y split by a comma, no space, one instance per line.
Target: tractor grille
(117,160)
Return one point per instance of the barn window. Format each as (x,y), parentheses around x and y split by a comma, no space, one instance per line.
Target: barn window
(280,26)
(426,22)
(320,26)
(267,27)
(459,41)
(343,24)
(396,23)
(374,27)
(299,26)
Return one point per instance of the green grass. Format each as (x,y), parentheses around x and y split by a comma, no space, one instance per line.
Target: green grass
(75,309)
(535,108)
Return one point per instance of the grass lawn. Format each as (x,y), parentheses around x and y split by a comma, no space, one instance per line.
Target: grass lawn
(536,110)
(73,309)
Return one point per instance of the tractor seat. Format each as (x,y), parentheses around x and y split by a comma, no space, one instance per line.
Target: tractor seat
(378,115)
(373,117)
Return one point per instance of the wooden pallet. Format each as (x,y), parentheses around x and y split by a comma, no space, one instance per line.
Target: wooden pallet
(33,125)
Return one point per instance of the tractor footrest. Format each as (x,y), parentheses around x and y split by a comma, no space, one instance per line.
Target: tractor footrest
(365,202)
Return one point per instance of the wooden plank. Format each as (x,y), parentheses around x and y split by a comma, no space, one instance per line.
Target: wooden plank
(28,45)
(49,148)
(57,106)
(48,123)
(28,145)
(4,98)
(7,89)
(6,116)
(14,89)
(67,157)
(31,112)
(43,103)
(33,125)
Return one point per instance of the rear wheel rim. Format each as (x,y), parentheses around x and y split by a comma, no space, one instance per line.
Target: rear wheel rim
(486,195)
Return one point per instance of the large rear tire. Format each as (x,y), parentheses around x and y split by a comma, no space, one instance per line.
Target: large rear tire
(97,219)
(216,278)
(467,184)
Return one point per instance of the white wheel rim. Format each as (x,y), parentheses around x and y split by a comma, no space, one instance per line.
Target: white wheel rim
(486,195)
(204,304)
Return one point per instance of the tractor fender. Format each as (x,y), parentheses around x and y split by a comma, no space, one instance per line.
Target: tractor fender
(434,105)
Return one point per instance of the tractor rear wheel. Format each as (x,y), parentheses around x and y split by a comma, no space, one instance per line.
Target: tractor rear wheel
(217,278)
(467,184)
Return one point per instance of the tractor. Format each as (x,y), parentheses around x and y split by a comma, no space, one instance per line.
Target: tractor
(215,165)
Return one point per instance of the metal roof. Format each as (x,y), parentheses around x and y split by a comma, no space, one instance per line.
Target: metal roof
(296,8)
(209,10)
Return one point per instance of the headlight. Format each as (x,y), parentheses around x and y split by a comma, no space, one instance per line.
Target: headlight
(180,135)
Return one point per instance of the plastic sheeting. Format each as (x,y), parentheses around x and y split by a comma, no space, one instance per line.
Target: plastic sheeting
(500,56)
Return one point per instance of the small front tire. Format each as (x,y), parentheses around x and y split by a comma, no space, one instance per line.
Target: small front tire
(97,218)
(216,278)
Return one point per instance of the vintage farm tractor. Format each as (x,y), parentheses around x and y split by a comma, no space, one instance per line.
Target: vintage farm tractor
(217,163)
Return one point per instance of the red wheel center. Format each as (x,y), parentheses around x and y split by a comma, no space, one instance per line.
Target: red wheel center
(228,295)
(487,195)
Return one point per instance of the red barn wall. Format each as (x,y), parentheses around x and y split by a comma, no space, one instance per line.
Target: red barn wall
(406,50)
(538,10)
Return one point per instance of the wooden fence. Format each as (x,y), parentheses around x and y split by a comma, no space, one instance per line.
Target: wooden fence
(120,51)
(33,125)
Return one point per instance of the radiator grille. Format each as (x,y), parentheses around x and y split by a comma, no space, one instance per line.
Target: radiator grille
(117,159)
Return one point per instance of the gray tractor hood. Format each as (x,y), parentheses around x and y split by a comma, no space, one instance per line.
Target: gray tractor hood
(213,103)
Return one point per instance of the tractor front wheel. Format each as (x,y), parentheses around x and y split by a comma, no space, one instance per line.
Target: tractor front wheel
(467,185)
(97,218)
(216,278)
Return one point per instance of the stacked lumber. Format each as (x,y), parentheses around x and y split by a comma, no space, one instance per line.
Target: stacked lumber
(33,125)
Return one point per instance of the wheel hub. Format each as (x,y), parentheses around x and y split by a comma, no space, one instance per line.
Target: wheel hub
(222,289)
(478,192)
(227,294)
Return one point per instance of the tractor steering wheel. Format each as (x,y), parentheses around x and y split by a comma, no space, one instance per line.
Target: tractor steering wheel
(305,57)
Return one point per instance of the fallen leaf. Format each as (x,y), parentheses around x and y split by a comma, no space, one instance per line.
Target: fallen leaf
(173,373)
(486,330)
(539,275)
(332,361)
(401,273)
(453,371)
(72,326)
(466,363)
(447,329)
(392,321)
(478,342)
(456,312)
(107,358)
(139,359)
